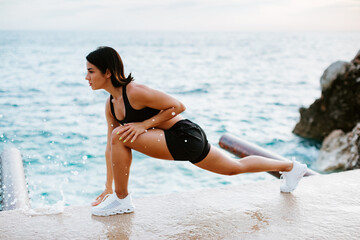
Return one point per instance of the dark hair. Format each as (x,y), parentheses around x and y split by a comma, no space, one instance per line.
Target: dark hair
(107,58)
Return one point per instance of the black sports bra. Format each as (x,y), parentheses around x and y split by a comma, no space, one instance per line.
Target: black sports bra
(131,114)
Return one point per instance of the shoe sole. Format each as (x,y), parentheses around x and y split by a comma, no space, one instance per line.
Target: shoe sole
(299,178)
(129,210)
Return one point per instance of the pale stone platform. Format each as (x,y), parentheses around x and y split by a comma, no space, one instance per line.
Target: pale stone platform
(323,207)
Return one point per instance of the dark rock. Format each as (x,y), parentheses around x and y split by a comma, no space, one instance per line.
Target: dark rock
(339,104)
(356,59)
(332,73)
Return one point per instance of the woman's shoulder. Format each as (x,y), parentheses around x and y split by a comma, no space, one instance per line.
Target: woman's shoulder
(139,95)
(137,89)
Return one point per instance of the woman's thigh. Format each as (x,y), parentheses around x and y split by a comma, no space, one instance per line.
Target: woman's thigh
(216,161)
(151,143)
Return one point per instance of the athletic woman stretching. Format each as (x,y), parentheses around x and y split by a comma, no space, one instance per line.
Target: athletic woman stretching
(149,121)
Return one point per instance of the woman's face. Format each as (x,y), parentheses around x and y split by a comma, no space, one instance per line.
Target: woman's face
(95,77)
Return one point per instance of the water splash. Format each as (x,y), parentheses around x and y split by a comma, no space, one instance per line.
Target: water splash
(57,208)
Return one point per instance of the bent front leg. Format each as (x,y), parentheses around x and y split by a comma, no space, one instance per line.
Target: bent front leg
(121,158)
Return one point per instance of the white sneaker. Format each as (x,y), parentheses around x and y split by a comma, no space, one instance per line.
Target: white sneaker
(112,205)
(293,177)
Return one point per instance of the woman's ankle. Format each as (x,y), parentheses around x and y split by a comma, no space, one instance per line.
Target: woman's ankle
(289,167)
(122,195)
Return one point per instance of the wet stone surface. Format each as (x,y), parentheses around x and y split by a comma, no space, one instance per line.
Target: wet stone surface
(322,207)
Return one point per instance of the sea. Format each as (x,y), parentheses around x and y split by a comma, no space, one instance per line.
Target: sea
(248,84)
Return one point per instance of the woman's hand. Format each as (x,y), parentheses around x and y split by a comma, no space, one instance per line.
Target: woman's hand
(100,198)
(130,131)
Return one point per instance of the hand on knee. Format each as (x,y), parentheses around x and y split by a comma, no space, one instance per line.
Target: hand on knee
(115,138)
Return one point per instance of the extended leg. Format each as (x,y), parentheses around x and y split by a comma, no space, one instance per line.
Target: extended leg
(218,162)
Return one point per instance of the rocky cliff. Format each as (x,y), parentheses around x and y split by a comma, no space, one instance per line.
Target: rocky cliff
(339,104)
(335,116)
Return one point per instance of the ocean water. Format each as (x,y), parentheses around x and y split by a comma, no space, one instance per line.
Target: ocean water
(247,84)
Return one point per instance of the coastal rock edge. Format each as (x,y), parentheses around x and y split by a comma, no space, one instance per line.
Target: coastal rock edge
(339,104)
(340,151)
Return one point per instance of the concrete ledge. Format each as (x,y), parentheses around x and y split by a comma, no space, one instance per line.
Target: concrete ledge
(323,207)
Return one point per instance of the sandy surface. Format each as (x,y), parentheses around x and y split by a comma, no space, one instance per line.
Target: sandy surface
(322,207)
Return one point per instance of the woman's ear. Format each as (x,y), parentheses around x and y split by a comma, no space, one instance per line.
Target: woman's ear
(107,73)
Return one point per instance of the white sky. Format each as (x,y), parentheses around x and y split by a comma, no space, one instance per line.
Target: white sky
(181,15)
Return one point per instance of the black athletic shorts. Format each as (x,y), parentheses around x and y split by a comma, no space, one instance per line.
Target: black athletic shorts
(187,141)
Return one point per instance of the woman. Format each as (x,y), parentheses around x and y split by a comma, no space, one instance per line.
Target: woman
(149,121)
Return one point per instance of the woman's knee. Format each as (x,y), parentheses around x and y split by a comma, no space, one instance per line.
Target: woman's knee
(115,136)
(237,169)
(115,139)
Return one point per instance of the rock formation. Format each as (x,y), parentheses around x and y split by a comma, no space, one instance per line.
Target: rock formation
(340,151)
(339,104)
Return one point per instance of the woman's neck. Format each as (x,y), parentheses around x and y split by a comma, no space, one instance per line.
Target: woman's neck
(115,92)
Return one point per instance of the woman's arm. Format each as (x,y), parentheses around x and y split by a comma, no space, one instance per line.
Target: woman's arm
(111,124)
(142,96)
